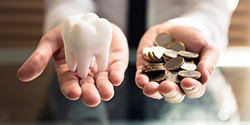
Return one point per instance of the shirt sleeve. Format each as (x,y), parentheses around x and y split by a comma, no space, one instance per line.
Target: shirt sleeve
(57,10)
(212,17)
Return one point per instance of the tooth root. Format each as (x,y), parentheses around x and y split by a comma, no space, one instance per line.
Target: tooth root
(71,61)
(83,64)
(105,34)
(92,61)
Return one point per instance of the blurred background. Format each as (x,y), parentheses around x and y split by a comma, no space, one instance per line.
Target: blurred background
(21,28)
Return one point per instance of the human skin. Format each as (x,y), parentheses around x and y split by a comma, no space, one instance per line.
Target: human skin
(96,86)
(99,86)
(194,41)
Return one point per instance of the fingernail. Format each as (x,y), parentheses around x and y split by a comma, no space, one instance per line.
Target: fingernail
(171,94)
(188,88)
(157,95)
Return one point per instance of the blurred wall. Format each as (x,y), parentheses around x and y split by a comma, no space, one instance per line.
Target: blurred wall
(20,31)
(238,77)
(240,25)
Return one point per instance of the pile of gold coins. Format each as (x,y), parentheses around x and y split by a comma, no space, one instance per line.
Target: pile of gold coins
(169,60)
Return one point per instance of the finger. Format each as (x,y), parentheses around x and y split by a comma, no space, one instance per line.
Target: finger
(146,41)
(119,56)
(39,59)
(116,73)
(171,92)
(207,63)
(33,66)
(141,79)
(104,86)
(151,90)
(192,88)
(195,41)
(36,63)
(68,82)
(90,94)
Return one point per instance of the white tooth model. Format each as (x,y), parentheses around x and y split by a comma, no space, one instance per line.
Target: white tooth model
(86,37)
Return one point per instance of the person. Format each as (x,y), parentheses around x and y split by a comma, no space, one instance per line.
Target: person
(202,25)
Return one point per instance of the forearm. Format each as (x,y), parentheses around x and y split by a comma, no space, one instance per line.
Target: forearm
(57,10)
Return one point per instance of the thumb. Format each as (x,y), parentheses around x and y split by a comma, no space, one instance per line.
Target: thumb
(34,65)
(37,62)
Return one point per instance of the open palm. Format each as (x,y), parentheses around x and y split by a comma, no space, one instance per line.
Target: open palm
(96,86)
(194,41)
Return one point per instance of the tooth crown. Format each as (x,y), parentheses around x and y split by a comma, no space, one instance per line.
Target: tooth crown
(85,37)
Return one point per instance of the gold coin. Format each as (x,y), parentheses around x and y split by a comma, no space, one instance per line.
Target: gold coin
(189,65)
(155,64)
(189,74)
(152,57)
(169,54)
(163,39)
(167,58)
(145,68)
(158,76)
(145,54)
(174,63)
(188,54)
(173,76)
(158,52)
(153,67)
(177,46)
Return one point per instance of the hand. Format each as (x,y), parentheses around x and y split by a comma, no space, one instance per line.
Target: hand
(194,41)
(96,86)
